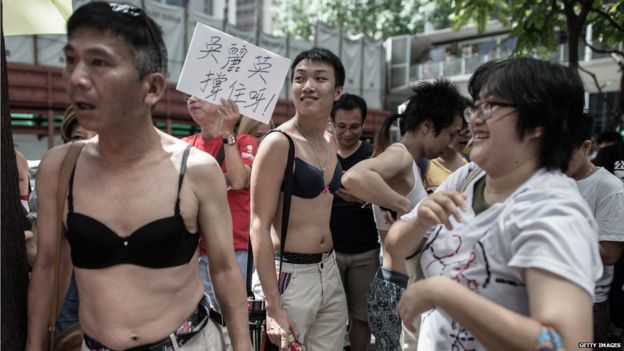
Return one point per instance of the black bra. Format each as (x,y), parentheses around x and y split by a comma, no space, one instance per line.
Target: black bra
(308,181)
(162,243)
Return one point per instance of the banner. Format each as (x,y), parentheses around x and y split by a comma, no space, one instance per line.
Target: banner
(278,46)
(328,38)
(171,21)
(352,60)
(20,48)
(220,66)
(50,50)
(246,35)
(373,73)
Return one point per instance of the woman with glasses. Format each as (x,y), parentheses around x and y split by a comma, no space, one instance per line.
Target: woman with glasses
(510,254)
(392,183)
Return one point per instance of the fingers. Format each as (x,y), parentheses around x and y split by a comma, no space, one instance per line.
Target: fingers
(228,108)
(439,207)
(294,330)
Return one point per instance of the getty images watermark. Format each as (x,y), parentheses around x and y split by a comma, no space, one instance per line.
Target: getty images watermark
(591,345)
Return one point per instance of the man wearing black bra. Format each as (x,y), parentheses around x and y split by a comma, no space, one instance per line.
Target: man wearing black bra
(138,200)
(306,302)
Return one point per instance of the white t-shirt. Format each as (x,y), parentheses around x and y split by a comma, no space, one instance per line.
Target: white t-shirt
(604,193)
(543,224)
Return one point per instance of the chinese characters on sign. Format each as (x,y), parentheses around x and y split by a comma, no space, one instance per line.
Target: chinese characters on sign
(220,66)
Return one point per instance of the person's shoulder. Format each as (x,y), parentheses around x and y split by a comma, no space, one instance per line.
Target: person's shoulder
(608,182)
(366,148)
(276,140)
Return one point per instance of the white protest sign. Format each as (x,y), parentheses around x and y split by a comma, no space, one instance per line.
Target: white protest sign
(218,65)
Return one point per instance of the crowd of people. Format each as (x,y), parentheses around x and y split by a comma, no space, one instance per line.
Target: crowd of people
(515,246)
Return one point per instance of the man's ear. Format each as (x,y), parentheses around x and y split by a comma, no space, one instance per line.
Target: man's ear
(155,84)
(586,146)
(338,93)
(426,127)
(535,133)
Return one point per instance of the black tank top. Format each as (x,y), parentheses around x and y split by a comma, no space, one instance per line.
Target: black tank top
(161,243)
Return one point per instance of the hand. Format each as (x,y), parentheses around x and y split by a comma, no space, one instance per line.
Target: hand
(279,327)
(345,195)
(437,208)
(229,115)
(417,298)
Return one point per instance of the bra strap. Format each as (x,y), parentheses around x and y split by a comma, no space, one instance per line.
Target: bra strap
(181,178)
(70,191)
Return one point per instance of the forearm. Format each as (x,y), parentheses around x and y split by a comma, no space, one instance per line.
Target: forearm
(230,291)
(369,186)
(496,327)
(265,267)
(39,301)
(404,238)
(237,175)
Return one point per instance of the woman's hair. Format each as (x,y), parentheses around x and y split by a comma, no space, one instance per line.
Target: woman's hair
(439,102)
(546,95)
(69,123)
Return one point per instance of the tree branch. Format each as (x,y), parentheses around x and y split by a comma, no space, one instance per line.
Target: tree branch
(595,79)
(617,25)
(603,51)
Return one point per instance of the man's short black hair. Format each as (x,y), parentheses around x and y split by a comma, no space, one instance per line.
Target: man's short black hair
(610,136)
(321,55)
(132,24)
(546,95)
(583,130)
(438,101)
(349,102)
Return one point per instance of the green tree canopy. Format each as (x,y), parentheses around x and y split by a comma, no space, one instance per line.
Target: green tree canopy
(377,19)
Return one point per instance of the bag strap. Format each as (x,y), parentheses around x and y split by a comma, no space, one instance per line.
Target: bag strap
(287,186)
(221,155)
(473,172)
(67,167)
(288,190)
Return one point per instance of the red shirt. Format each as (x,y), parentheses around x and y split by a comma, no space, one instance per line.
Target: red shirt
(238,200)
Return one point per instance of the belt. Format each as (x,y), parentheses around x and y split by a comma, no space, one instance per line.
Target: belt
(303,258)
(185,332)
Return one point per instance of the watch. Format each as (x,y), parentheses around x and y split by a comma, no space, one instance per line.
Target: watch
(229,139)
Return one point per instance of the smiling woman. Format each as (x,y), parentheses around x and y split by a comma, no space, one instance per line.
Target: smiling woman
(507,239)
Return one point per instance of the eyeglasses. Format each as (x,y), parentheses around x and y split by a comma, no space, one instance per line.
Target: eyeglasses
(483,110)
(136,12)
(353,129)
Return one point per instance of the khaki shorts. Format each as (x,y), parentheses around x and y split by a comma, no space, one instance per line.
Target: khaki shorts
(357,272)
(314,298)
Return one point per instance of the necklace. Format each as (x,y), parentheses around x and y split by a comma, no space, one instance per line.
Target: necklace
(316,154)
(589,171)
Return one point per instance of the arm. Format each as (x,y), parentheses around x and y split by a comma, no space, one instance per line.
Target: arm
(367,180)
(611,233)
(216,226)
(498,328)
(238,172)
(22,172)
(610,251)
(41,281)
(266,177)
(405,237)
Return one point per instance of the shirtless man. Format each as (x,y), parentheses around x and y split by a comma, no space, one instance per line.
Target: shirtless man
(309,303)
(137,204)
